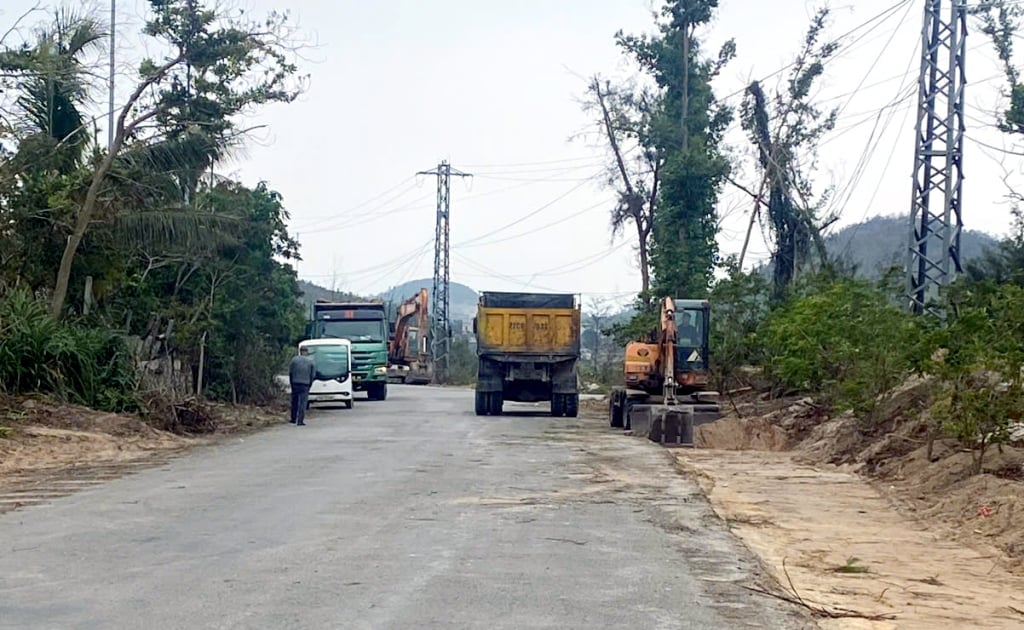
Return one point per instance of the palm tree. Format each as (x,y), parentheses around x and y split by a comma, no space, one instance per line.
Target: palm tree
(53,84)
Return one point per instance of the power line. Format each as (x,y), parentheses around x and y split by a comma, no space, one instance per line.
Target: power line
(883,16)
(528,215)
(540,228)
(311,221)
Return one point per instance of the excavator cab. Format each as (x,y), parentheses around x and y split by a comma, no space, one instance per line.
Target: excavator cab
(692,363)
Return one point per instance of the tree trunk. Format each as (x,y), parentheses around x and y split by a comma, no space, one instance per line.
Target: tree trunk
(202,365)
(645,271)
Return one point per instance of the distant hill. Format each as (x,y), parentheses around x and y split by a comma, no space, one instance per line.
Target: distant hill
(462,300)
(312,292)
(881,242)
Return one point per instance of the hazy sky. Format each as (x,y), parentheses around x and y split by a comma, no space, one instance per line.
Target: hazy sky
(495,88)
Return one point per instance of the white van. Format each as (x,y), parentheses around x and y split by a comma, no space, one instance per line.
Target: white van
(333,361)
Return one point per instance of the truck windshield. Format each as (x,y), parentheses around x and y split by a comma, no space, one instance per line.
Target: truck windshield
(354,330)
(330,361)
(690,327)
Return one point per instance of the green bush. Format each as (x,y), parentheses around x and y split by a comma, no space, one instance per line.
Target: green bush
(739,307)
(85,365)
(462,362)
(845,342)
(978,361)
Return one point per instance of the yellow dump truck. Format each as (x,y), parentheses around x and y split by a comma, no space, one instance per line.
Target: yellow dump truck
(528,345)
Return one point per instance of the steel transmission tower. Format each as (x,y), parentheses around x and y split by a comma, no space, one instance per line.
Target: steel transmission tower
(440,327)
(933,259)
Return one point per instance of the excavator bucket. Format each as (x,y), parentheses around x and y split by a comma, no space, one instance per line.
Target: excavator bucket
(704,413)
(669,425)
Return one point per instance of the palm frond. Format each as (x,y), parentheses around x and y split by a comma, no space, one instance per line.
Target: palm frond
(176,230)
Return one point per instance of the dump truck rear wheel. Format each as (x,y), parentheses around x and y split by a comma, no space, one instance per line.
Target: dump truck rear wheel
(572,405)
(557,405)
(495,403)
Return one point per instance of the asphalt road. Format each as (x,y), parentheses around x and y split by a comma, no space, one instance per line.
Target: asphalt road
(406,513)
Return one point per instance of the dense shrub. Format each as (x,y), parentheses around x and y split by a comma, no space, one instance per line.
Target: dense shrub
(846,342)
(85,365)
(978,361)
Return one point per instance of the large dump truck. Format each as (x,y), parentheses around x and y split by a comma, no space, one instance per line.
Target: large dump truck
(365,325)
(528,345)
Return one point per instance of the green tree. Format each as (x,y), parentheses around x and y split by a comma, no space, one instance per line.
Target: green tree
(845,342)
(48,78)
(739,308)
(686,132)
(229,65)
(669,189)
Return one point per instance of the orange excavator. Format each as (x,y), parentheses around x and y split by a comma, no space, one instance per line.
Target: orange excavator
(670,369)
(408,350)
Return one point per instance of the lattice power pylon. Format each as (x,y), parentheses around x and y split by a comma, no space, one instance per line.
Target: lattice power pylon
(933,259)
(440,316)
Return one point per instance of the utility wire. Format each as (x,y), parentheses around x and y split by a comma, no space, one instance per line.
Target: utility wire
(535,212)
(541,228)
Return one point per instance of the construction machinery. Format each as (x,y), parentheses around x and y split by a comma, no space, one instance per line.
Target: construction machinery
(666,376)
(528,346)
(409,349)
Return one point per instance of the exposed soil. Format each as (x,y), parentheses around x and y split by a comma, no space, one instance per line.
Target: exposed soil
(939,546)
(854,515)
(835,541)
(48,448)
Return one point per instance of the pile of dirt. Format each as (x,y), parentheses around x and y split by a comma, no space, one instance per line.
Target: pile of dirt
(46,435)
(594,408)
(741,434)
(39,435)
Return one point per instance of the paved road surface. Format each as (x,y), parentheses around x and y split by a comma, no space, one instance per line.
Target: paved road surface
(406,513)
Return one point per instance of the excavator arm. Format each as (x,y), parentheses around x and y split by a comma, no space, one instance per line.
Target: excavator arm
(410,312)
(667,349)
(410,364)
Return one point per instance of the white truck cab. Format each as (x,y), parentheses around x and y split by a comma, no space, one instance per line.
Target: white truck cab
(333,361)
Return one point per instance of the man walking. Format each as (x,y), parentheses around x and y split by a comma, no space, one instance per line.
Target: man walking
(301,372)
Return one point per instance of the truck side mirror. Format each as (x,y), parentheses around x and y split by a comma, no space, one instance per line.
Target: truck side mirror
(474,325)
(309,330)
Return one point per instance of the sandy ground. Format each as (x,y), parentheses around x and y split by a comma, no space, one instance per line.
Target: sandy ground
(44,440)
(844,545)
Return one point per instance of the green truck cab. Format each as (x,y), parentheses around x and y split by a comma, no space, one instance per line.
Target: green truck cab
(365,325)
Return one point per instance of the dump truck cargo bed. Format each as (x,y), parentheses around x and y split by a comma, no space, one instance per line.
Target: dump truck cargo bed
(517,323)
(528,345)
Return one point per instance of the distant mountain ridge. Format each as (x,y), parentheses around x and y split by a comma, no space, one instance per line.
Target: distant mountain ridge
(877,244)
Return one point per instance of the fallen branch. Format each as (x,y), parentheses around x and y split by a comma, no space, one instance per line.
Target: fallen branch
(817,609)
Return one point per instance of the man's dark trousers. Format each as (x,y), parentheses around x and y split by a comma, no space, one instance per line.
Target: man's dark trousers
(300,397)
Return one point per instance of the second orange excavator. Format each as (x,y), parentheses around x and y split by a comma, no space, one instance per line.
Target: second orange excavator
(409,350)
(668,371)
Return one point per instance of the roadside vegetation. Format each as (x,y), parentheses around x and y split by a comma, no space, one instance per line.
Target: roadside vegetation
(132,276)
(805,323)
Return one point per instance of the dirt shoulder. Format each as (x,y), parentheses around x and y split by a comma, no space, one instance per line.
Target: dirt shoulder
(836,541)
(867,521)
(48,448)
